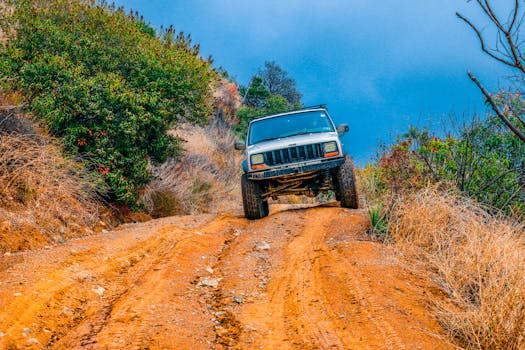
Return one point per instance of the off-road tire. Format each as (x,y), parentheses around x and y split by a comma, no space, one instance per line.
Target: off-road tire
(254,206)
(345,184)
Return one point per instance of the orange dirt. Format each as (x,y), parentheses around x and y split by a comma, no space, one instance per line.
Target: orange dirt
(299,279)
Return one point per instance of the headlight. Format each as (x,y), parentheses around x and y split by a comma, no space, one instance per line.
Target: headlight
(256,159)
(330,147)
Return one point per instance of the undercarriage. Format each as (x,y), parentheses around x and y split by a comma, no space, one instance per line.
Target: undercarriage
(339,179)
(309,184)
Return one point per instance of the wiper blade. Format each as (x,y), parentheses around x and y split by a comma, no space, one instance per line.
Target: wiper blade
(268,139)
(297,133)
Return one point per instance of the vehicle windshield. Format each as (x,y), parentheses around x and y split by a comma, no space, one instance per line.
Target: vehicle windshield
(289,125)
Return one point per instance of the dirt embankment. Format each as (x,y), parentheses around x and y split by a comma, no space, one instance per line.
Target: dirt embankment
(298,279)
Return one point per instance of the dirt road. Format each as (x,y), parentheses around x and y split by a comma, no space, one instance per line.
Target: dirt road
(298,279)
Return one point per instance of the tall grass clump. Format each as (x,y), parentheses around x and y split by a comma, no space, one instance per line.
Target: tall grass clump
(205,179)
(45,198)
(477,258)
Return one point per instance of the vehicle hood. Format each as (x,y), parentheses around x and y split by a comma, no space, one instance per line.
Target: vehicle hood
(292,141)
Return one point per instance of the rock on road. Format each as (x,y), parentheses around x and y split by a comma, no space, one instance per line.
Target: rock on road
(299,279)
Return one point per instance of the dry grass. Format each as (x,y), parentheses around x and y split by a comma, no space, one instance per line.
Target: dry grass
(478,259)
(44,197)
(206,179)
(2,13)
(4,10)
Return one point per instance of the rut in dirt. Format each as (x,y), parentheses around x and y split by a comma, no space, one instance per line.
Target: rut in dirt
(305,278)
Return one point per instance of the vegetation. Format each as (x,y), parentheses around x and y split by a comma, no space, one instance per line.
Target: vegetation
(205,179)
(269,91)
(485,162)
(475,257)
(45,198)
(111,89)
(456,205)
(418,197)
(106,84)
(270,81)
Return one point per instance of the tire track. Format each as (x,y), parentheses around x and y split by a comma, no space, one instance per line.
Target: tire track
(298,279)
(320,296)
(115,283)
(362,299)
(68,298)
(316,329)
(169,282)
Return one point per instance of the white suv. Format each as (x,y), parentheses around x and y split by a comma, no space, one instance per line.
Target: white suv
(297,152)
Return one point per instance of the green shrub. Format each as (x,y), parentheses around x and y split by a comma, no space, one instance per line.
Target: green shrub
(378,221)
(484,161)
(105,83)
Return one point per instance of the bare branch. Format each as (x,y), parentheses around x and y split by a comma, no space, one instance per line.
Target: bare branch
(520,54)
(503,43)
(502,116)
(484,47)
(512,47)
(489,12)
(515,15)
(509,54)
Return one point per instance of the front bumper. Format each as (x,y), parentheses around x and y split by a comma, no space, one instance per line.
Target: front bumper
(295,168)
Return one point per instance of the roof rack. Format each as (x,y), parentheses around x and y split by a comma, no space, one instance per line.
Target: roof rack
(286,111)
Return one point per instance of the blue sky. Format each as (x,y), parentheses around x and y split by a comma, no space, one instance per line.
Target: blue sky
(379,65)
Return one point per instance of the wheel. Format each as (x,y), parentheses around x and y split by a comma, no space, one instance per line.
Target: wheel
(254,206)
(345,184)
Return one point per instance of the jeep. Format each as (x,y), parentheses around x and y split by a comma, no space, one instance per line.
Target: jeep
(295,153)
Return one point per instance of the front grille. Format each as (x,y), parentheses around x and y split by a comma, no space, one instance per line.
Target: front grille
(293,154)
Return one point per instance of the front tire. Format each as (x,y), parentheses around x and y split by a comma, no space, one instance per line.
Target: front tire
(254,206)
(346,187)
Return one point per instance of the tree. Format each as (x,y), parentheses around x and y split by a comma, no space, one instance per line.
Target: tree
(508,51)
(271,90)
(256,94)
(269,81)
(276,103)
(277,82)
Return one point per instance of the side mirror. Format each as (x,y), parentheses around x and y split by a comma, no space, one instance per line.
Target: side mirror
(342,128)
(239,145)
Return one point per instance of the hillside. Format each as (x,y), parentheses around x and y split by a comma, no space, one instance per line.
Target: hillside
(92,135)
(121,223)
